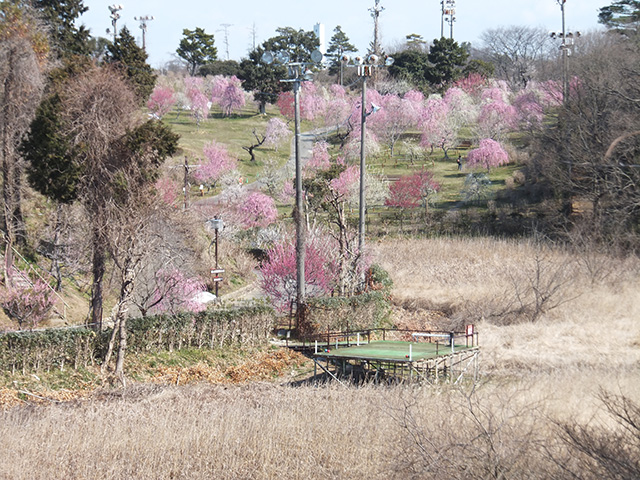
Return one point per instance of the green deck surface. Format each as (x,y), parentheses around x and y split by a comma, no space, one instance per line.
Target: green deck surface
(389,350)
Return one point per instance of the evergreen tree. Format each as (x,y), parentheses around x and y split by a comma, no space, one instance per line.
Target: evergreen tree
(62,15)
(227,68)
(298,43)
(51,168)
(338,45)
(416,42)
(197,48)
(263,79)
(622,16)
(412,66)
(447,59)
(132,59)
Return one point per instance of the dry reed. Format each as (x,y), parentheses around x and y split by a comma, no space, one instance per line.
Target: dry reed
(536,375)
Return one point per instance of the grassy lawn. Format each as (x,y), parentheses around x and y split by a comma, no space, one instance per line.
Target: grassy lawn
(237,131)
(234,132)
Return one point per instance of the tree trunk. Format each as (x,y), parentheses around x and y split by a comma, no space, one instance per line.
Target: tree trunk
(98,267)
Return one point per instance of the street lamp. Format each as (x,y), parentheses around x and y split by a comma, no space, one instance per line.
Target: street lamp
(298,72)
(143,26)
(366,68)
(448,10)
(115,16)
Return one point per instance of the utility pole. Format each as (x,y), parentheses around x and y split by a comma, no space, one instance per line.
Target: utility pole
(225,27)
(375,14)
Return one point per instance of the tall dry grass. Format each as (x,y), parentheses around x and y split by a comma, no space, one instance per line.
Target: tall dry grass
(539,375)
(593,326)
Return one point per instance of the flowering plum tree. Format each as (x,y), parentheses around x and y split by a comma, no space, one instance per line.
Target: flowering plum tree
(277,130)
(175,292)
(198,101)
(28,304)
(412,191)
(439,127)
(258,210)
(488,154)
(218,163)
(161,101)
(339,107)
(168,190)
(529,109)
(320,158)
(279,274)
(396,117)
(232,98)
(496,116)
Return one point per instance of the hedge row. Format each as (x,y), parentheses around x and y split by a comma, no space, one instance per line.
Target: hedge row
(360,312)
(79,347)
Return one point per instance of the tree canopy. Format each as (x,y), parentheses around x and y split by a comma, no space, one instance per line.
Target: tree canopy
(263,79)
(127,56)
(338,45)
(622,16)
(448,58)
(67,38)
(197,48)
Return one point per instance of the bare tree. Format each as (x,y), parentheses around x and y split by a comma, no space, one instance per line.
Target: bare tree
(23,59)
(98,108)
(610,450)
(591,157)
(518,52)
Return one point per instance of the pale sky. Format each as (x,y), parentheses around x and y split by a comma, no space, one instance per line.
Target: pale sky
(398,19)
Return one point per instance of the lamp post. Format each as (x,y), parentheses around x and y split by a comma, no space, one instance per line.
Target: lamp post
(143,26)
(448,8)
(298,72)
(566,46)
(365,70)
(115,16)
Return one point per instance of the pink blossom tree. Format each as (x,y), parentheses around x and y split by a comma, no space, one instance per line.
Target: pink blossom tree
(472,84)
(312,102)
(232,98)
(529,109)
(161,100)
(496,116)
(320,158)
(258,210)
(338,108)
(396,116)
(489,153)
(285,104)
(439,127)
(28,304)
(276,131)
(412,191)
(279,273)
(168,190)
(199,103)
(218,162)
(175,292)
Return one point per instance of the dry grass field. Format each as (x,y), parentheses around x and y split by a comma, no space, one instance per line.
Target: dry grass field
(559,394)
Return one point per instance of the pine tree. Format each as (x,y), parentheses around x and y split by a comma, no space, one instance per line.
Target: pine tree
(67,39)
(622,16)
(197,49)
(132,59)
(338,45)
